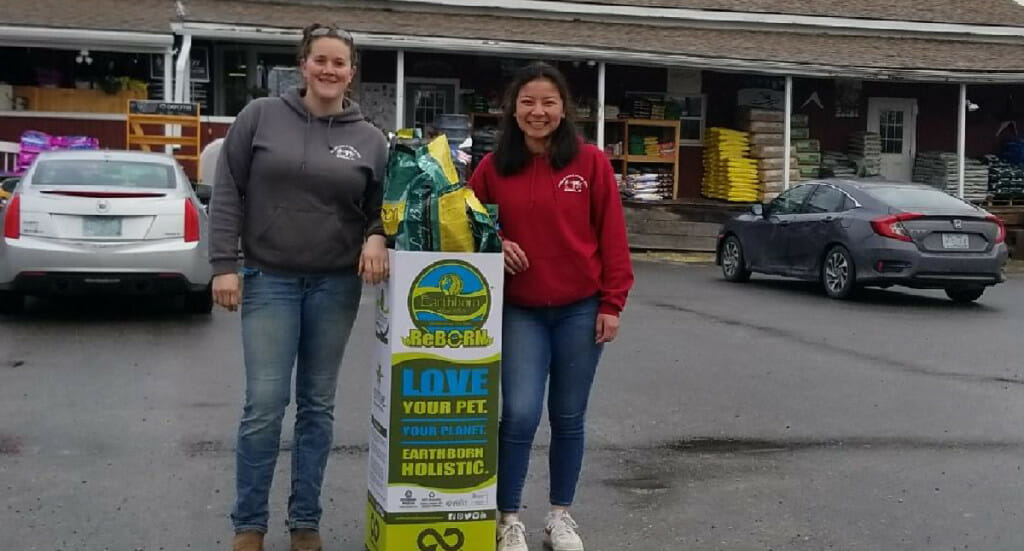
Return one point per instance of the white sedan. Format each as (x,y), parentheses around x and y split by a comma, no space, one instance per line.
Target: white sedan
(118,222)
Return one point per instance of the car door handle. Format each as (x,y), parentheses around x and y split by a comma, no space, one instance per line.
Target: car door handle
(826,219)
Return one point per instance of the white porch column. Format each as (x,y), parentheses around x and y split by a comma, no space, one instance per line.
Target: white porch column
(961,140)
(168,92)
(600,104)
(183,70)
(168,75)
(400,90)
(787,131)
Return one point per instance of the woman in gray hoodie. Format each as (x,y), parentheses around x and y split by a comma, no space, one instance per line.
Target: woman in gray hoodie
(299,182)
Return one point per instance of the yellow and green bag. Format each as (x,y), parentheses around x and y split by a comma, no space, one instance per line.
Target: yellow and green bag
(427,208)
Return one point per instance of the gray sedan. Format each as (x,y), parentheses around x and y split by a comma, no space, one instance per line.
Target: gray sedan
(851,234)
(122,222)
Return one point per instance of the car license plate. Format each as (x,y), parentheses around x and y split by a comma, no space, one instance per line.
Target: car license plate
(101,226)
(956,241)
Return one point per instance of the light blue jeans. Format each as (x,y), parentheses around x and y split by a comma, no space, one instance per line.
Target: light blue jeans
(541,345)
(290,321)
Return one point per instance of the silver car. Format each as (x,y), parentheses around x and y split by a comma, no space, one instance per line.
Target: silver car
(121,222)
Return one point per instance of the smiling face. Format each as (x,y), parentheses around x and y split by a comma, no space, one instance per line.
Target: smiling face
(540,109)
(328,69)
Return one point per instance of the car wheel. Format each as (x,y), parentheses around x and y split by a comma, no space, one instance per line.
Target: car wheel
(11,303)
(733,264)
(200,302)
(838,274)
(965,294)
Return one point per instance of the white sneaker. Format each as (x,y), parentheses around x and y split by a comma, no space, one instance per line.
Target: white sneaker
(512,537)
(560,533)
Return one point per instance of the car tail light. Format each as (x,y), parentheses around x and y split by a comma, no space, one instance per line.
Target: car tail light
(191,222)
(1001,231)
(12,218)
(892,226)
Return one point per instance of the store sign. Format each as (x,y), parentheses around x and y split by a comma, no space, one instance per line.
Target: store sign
(154,107)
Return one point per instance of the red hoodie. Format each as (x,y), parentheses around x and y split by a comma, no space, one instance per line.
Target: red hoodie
(570,224)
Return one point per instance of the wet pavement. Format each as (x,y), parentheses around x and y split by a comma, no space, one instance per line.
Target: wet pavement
(735,417)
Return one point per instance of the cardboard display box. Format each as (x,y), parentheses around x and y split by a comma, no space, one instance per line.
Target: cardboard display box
(434,413)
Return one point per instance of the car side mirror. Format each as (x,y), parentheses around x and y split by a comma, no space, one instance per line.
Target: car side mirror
(757,210)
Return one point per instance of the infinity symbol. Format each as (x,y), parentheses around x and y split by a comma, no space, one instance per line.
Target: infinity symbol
(439,540)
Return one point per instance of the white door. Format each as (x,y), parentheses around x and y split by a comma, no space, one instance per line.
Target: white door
(425,98)
(895,119)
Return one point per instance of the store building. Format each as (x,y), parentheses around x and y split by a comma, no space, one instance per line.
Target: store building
(931,80)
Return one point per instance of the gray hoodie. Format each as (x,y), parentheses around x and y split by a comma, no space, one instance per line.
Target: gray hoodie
(303,192)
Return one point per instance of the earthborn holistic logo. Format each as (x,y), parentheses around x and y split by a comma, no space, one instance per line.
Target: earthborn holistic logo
(449,303)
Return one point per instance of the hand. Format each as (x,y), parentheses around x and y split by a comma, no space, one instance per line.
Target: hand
(227,291)
(515,258)
(373,261)
(607,328)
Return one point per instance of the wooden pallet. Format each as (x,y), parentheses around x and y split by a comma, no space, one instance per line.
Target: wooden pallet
(994,202)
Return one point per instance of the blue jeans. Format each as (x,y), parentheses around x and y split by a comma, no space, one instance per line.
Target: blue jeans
(543,344)
(290,321)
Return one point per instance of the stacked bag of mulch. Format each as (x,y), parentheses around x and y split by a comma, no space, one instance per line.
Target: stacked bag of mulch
(767,145)
(729,173)
(940,170)
(1006,172)
(866,152)
(838,164)
(1005,179)
(641,145)
(806,150)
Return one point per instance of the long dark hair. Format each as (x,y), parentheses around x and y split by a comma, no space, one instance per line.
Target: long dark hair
(510,153)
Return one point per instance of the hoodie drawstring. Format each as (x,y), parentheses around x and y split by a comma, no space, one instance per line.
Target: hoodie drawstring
(330,142)
(305,141)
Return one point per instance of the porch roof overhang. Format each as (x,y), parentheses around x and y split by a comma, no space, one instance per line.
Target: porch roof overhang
(983,17)
(802,59)
(92,39)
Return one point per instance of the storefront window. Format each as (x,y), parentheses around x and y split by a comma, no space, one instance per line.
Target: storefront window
(691,118)
(890,126)
(79,80)
(245,72)
(234,81)
(267,62)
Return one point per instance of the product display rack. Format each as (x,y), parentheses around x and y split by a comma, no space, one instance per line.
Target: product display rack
(667,131)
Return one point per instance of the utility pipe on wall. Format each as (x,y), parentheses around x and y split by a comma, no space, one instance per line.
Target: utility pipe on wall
(787,132)
(600,104)
(400,90)
(961,140)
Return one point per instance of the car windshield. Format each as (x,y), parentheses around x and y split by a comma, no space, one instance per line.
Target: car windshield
(97,172)
(906,198)
(9,184)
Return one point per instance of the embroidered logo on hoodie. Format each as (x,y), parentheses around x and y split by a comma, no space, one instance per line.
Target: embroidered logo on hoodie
(346,152)
(573,183)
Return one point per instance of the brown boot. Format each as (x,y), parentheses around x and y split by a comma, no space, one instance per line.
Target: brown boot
(306,540)
(247,541)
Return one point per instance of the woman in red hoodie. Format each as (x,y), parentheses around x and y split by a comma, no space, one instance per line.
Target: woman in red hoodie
(568,266)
